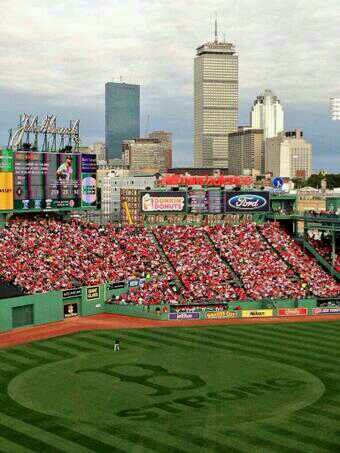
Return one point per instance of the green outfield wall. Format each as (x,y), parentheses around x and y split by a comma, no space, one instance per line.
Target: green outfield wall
(57,305)
(45,308)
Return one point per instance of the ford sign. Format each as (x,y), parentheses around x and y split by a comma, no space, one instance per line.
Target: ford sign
(253,201)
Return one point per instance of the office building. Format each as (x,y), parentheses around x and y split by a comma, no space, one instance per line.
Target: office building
(246,152)
(99,150)
(215,102)
(146,156)
(267,114)
(122,116)
(288,155)
(335,109)
(166,139)
(111,190)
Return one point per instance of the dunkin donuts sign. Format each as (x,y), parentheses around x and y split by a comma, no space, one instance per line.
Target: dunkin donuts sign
(247,201)
(163,201)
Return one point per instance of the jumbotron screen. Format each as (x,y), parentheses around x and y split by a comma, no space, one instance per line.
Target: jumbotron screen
(50,181)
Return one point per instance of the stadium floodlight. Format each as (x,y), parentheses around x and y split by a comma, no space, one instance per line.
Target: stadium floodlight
(335,108)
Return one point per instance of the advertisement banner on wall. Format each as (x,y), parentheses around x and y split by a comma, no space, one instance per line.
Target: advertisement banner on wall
(266,313)
(92,292)
(220,314)
(247,202)
(6,160)
(326,311)
(184,315)
(117,285)
(171,201)
(69,293)
(6,191)
(293,311)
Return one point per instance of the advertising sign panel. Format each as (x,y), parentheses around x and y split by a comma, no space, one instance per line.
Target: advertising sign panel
(266,313)
(6,160)
(326,311)
(74,292)
(184,315)
(220,314)
(92,292)
(247,201)
(293,311)
(117,285)
(163,201)
(6,191)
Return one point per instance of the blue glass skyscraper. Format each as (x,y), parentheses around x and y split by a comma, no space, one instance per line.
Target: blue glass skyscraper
(122,116)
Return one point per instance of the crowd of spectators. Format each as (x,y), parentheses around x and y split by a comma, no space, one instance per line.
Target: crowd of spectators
(175,263)
(263,272)
(318,281)
(203,273)
(45,254)
(324,249)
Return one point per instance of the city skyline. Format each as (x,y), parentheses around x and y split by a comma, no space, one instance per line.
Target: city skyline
(302,68)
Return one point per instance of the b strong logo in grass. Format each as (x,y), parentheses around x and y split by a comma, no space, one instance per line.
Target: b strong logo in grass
(165,386)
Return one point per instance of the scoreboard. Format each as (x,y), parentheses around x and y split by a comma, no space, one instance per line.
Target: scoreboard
(42,181)
(204,201)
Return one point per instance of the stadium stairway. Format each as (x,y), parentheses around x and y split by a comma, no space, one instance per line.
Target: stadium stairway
(236,277)
(320,259)
(296,275)
(179,283)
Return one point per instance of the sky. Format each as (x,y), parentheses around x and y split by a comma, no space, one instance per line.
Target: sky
(56,57)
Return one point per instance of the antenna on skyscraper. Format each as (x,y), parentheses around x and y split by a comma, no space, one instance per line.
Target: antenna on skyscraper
(216,37)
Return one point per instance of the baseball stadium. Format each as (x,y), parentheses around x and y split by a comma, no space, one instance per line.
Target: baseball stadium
(206,320)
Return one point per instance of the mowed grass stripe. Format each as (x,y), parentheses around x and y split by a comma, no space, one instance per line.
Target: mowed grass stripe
(141,439)
(27,424)
(252,340)
(26,440)
(36,359)
(71,346)
(17,362)
(61,355)
(264,351)
(106,344)
(182,338)
(85,440)
(257,439)
(208,438)
(319,412)
(103,436)
(205,443)
(309,344)
(6,368)
(11,447)
(314,334)
(306,426)
(312,441)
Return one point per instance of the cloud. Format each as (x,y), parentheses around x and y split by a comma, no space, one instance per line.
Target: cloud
(60,54)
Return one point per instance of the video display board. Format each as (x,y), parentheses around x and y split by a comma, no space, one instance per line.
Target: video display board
(204,201)
(49,180)
(198,201)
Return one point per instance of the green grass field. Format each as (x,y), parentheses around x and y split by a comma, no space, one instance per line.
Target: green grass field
(265,388)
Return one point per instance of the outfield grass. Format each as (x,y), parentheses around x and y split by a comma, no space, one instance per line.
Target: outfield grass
(244,388)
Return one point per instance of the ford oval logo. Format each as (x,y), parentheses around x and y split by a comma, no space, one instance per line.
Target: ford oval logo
(247,202)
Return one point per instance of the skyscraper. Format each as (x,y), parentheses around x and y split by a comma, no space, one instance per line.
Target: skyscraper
(267,114)
(288,155)
(246,151)
(335,108)
(215,102)
(122,116)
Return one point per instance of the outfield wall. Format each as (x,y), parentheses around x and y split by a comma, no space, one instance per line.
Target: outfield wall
(59,305)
